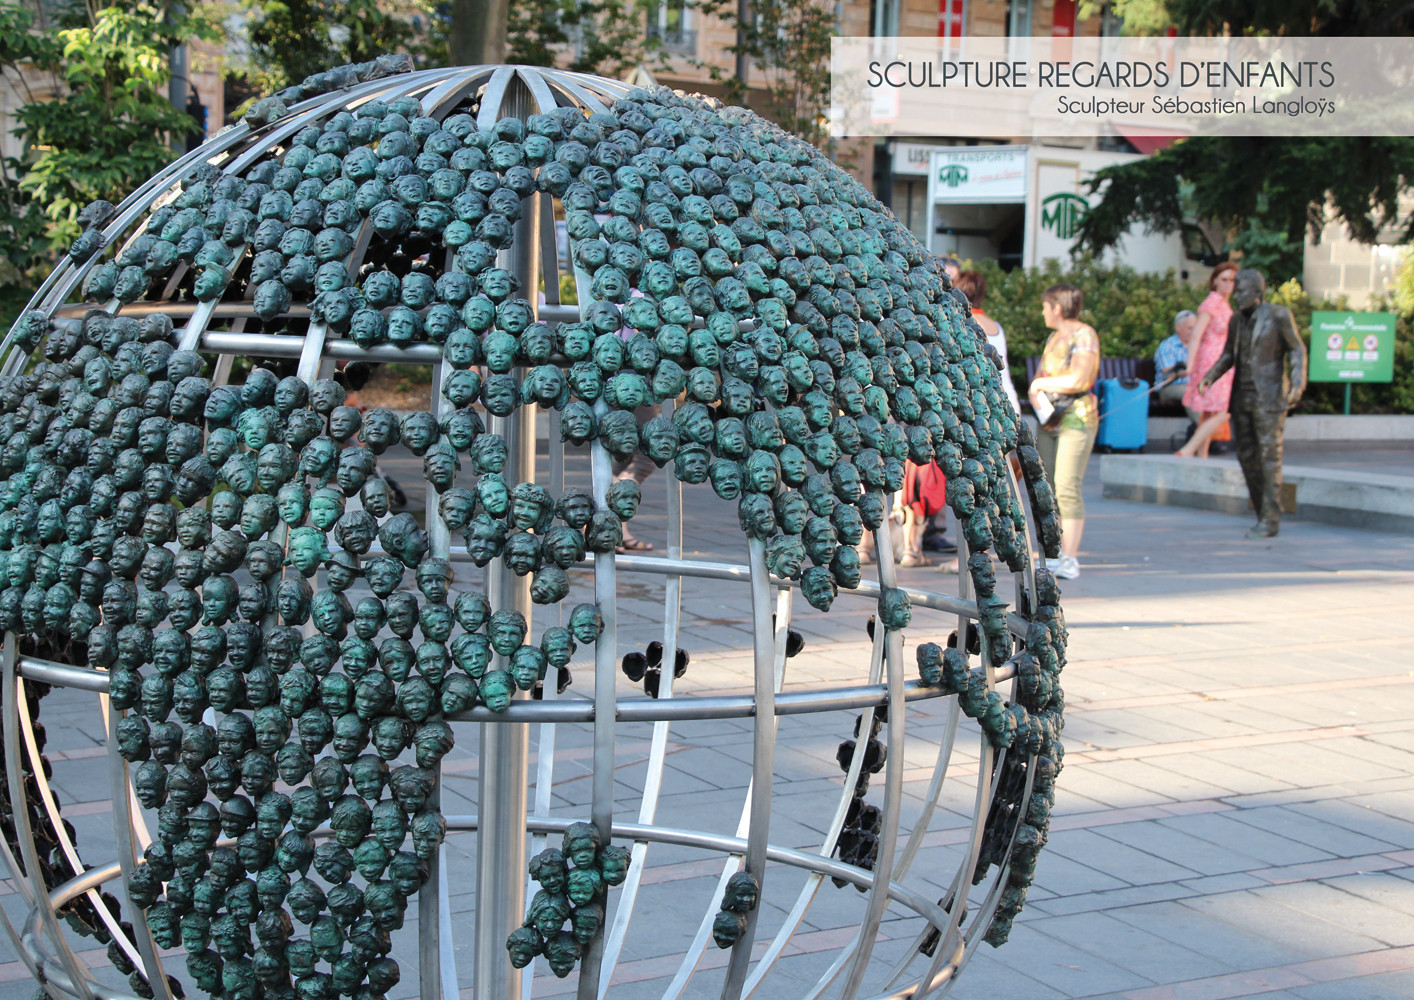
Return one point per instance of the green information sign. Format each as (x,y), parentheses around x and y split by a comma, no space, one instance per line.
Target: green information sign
(1352,347)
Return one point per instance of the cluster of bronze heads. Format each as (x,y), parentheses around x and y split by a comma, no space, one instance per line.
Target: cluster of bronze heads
(178,533)
(567,911)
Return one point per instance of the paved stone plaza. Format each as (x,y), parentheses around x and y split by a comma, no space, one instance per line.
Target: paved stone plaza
(1235,817)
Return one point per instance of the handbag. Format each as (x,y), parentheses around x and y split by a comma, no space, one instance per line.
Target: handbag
(1061,402)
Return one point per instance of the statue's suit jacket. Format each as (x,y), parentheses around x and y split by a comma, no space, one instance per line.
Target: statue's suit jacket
(1274,355)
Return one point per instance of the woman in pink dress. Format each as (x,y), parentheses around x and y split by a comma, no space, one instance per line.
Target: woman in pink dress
(1205,344)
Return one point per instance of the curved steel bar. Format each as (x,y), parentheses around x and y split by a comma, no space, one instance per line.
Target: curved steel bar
(582,710)
(24,833)
(56,823)
(606,661)
(740,706)
(956,896)
(67,276)
(72,312)
(446,95)
(544,97)
(605,86)
(693,956)
(30,942)
(61,283)
(545,744)
(575,91)
(709,570)
(935,789)
(505,750)
(811,888)
(312,353)
(940,975)
(436,961)
(64,675)
(71,273)
(720,843)
(957,938)
(763,768)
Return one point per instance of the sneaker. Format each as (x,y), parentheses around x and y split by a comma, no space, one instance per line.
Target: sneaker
(1067,567)
(936,540)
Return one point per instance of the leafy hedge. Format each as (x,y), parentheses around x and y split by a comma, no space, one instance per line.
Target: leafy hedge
(1133,312)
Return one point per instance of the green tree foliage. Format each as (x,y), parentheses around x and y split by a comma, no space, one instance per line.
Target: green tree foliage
(1133,312)
(1137,17)
(113,125)
(608,37)
(1277,185)
(110,128)
(1267,191)
(788,43)
(1329,397)
(291,39)
(1331,18)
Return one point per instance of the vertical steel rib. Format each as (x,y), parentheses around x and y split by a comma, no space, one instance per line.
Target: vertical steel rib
(545,743)
(436,957)
(534,81)
(505,748)
(893,774)
(693,955)
(19,814)
(501,785)
(493,98)
(763,770)
(312,353)
(658,748)
(18,878)
(606,656)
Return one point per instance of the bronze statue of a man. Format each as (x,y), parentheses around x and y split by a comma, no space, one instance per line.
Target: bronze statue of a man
(1269,357)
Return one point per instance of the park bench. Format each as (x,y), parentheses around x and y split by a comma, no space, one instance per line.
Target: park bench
(1120,368)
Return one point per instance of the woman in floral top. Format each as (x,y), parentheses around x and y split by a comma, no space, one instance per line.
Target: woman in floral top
(1069,365)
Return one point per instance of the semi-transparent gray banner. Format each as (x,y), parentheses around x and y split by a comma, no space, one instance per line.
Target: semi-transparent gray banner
(1022,87)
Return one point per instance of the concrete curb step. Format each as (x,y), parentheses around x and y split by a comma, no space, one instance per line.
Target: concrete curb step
(1344,497)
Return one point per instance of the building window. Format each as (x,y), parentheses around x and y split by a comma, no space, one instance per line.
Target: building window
(883,18)
(1018,18)
(671,24)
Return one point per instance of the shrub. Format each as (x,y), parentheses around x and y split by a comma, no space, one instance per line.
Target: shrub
(1133,312)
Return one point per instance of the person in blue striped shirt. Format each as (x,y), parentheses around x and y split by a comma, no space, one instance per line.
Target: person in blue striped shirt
(1171,362)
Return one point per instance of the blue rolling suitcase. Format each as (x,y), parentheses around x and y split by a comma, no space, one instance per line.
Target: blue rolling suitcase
(1124,414)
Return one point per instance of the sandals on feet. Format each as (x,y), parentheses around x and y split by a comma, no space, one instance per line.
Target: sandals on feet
(634,545)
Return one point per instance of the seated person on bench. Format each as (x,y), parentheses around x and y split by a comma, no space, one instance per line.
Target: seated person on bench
(1171,363)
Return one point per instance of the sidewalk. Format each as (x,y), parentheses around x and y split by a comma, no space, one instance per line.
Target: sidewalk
(1235,817)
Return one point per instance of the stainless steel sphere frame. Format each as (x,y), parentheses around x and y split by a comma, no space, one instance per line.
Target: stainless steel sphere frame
(509,823)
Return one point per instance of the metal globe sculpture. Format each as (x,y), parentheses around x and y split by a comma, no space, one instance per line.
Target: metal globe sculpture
(283,662)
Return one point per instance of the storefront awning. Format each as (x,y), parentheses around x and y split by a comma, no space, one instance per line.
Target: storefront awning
(1147,142)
